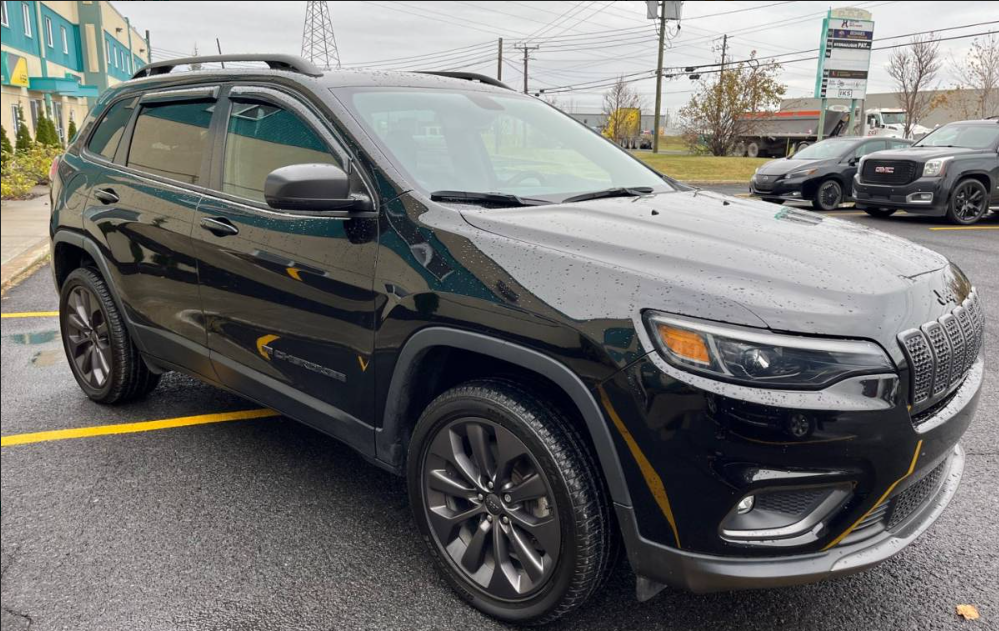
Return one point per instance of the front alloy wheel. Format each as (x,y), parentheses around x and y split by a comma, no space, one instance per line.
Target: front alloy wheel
(490,509)
(509,501)
(829,196)
(968,203)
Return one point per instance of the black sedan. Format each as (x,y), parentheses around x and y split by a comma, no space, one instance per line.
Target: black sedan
(821,173)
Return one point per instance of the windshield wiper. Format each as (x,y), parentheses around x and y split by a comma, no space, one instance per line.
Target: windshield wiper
(619,191)
(473,197)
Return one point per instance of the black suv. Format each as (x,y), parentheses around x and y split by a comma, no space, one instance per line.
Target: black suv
(951,172)
(561,350)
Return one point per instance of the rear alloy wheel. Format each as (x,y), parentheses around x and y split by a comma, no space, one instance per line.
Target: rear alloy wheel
(104,361)
(968,203)
(508,502)
(828,196)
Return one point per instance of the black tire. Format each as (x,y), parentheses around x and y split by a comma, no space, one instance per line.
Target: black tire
(552,453)
(752,150)
(880,213)
(94,336)
(969,202)
(828,196)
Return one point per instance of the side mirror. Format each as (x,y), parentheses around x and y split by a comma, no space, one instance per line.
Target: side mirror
(853,161)
(311,187)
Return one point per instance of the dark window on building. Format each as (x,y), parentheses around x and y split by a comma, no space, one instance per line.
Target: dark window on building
(169,140)
(4,18)
(107,136)
(261,138)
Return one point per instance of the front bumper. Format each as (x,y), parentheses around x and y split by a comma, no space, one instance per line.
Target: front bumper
(924,196)
(785,189)
(701,573)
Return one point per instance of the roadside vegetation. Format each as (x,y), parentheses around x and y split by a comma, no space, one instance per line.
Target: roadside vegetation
(690,168)
(26,163)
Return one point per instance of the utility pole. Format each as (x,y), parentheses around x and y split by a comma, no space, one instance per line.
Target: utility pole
(499,60)
(721,78)
(659,77)
(318,39)
(526,49)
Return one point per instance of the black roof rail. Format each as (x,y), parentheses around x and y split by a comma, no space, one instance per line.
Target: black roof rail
(291,63)
(468,76)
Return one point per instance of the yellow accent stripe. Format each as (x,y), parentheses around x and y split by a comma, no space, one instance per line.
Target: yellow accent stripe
(364,364)
(129,428)
(31,314)
(648,472)
(263,341)
(294,272)
(965,228)
(912,467)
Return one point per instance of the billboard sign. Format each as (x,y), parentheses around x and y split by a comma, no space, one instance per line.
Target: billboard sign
(844,54)
(14,70)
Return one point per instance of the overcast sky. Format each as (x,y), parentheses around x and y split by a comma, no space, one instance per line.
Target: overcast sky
(579,42)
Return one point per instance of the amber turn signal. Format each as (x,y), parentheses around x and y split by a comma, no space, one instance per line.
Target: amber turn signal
(685,344)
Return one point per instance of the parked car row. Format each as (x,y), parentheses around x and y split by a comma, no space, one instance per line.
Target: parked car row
(952,172)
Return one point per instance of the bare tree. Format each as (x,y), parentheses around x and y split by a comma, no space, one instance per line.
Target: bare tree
(622,109)
(978,78)
(721,112)
(913,69)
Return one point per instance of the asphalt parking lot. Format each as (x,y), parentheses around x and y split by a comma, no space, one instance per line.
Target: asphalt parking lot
(266,524)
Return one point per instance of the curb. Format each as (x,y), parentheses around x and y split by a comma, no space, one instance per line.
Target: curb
(23,265)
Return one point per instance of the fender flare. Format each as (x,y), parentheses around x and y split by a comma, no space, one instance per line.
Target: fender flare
(388,435)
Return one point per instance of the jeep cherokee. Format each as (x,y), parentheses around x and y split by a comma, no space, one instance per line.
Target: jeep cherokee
(563,351)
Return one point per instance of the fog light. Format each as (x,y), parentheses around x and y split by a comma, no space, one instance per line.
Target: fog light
(745,504)
(920,198)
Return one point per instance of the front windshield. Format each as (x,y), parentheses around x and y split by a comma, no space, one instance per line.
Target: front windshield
(824,149)
(968,136)
(893,118)
(497,143)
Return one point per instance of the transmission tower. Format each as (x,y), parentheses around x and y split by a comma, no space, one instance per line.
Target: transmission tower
(318,40)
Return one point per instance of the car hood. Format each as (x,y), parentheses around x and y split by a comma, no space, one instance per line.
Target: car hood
(690,252)
(787,165)
(919,153)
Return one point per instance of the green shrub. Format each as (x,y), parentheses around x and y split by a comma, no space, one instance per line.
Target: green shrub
(5,147)
(23,140)
(24,169)
(46,133)
(71,132)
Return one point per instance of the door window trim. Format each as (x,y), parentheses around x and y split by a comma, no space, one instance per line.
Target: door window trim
(308,117)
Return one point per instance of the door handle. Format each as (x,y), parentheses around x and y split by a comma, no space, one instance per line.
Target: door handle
(219,226)
(106,195)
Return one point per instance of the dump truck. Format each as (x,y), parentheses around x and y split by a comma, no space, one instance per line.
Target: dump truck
(778,134)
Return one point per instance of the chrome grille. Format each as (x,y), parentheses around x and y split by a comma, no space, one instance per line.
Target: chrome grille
(941,352)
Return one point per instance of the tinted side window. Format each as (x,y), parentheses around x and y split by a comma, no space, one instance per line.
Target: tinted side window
(870,147)
(899,144)
(262,137)
(108,133)
(170,139)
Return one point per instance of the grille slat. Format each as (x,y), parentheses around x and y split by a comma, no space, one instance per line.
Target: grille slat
(941,352)
(916,495)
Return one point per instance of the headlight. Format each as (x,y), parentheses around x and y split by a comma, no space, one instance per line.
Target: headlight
(803,173)
(935,167)
(760,358)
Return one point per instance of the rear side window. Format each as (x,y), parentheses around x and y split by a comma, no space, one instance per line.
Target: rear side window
(170,139)
(262,137)
(107,136)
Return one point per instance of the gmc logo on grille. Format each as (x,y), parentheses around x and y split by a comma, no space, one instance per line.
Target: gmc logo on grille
(888,170)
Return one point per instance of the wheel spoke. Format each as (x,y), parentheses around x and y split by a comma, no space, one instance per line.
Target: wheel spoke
(478,438)
(530,488)
(544,529)
(448,446)
(102,368)
(439,480)
(74,320)
(476,551)
(533,564)
(505,581)
(508,450)
(446,521)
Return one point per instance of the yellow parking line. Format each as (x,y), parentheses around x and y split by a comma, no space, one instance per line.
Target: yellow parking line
(965,228)
(31,314)
(129,428)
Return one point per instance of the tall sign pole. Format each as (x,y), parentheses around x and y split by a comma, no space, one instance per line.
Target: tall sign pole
(844,60)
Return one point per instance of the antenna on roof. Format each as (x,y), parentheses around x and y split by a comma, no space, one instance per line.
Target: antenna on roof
(318,40)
